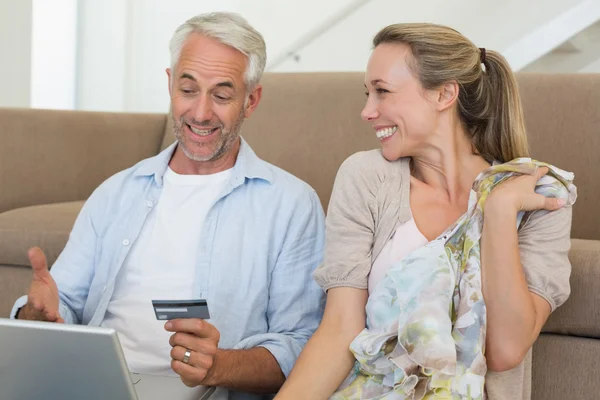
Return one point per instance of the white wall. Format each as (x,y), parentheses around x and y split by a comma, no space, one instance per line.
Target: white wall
(593,68)
(53,53)
(581,53)
(121,46)
(573,18)
(15,47)
(37,41)
(123,68)
(101,55)
(123,51)
(492,24)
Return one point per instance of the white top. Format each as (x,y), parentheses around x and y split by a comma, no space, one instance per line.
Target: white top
(405,240)
(161,266)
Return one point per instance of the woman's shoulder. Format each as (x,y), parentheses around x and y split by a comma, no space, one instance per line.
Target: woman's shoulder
(371,166)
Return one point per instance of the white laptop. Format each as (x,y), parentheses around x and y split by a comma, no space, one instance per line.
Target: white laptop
(42,360)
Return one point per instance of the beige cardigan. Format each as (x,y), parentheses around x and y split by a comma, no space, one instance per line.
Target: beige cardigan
(370,199)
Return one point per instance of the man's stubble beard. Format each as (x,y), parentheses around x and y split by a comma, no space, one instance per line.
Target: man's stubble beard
(225,141)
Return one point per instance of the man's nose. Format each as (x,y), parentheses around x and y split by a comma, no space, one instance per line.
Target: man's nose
(203,109)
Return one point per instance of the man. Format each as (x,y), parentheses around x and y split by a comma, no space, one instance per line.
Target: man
(206,218)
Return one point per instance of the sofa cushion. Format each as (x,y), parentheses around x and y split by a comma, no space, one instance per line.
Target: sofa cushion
(564,367)
(579,315)
(46,226)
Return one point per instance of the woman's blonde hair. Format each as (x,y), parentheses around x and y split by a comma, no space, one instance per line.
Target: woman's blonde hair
(489,103)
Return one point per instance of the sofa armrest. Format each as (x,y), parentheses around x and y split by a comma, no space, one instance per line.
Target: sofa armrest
(580,315)
(50,156)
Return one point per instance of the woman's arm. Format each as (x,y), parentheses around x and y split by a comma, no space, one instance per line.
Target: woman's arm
(515,314)
(326,360)
(350,230)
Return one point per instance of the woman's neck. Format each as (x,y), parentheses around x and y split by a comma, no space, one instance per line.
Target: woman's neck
(449,165)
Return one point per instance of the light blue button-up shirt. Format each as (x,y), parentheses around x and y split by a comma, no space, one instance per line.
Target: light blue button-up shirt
(260,243)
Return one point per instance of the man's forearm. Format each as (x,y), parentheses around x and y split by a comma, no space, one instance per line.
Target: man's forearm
(255,370)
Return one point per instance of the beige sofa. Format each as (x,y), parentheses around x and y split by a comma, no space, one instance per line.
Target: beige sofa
(50,162)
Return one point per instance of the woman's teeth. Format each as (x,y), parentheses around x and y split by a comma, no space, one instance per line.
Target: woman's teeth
(386,132)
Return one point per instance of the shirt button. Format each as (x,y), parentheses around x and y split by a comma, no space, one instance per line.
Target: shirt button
(126,242)
(149,203)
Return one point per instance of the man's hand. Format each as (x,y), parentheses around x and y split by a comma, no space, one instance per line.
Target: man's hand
(43,300)
(201,339)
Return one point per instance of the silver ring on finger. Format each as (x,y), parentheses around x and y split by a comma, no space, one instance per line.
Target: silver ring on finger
(186,356)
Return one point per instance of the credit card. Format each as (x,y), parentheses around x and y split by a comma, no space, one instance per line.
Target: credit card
(172,309)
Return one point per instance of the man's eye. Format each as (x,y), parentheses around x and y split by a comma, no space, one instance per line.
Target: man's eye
(187,91)
(221,98)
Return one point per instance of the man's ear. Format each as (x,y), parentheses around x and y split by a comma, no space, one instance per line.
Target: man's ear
(253,100)
(447,95)
(168,70)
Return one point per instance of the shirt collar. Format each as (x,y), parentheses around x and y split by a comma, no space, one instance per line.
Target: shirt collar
(247,165)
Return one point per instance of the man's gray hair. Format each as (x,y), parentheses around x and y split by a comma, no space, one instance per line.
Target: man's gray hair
(230,29)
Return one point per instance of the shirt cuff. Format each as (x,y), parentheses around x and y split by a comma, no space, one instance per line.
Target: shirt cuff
(21,301)
(67,315)
(284,348)
(63,310)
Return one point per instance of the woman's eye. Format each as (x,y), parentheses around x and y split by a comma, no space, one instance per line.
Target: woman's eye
(380,90)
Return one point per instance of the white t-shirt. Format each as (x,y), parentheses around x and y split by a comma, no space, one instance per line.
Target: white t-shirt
(161,266)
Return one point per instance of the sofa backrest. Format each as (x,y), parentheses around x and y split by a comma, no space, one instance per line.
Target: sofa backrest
(309,123)
(50,156)
(562,113)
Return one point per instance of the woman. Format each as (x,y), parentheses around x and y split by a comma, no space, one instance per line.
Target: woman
(444,111)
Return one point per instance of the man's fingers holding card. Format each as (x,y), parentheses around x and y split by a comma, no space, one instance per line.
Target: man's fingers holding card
(194,349)
(189,341)
(194,326)
(194,342)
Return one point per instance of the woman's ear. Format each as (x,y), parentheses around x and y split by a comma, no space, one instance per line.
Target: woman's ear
(447,95)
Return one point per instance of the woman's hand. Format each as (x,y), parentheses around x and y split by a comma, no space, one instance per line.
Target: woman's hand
(518,194)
